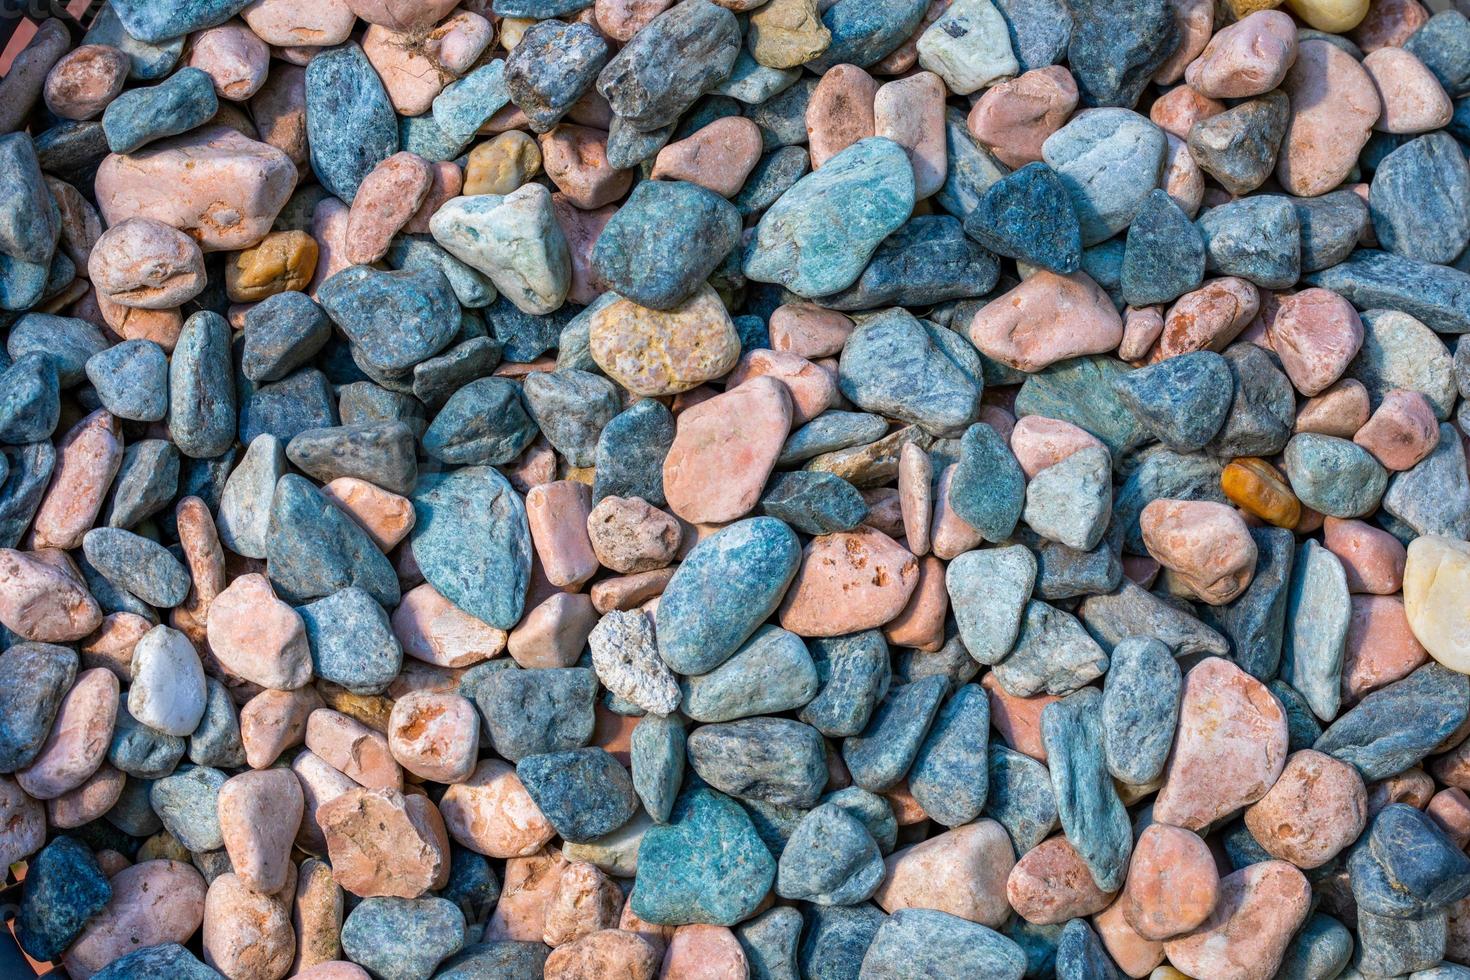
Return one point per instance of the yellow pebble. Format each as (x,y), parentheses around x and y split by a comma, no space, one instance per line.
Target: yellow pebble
(511,29)
(1333,16)
(163,846)
(370,709)
(1241,8)
(282,262)
(502,165)
(1255,486)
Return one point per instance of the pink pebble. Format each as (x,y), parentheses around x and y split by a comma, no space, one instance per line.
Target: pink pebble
(921,622)
(1018,719)
(724,449)
(1196,21)
(1039,442)
(1012,119)
(718,156)
(87,458)
(1389,23)
(1207,318)
(233,57)
(1141,327)
(847,582)
(152,902)
(949,534)
(1316,333)
(915,496)
(1050,884)
(557,514)
(520,915)
(1047,318)
(258,637)
(704,952)
(554,633)
(382,843)
(1249,57)
(1261,906)
(1205,543)
(388,197)
(961,871)
(1172,883)
(1372,559)
(575,158)
(410,77)
(1333,108)
(246,934)
(85,81)
(1450,808)
(445,182)
(1401,431)
(840,112)
(286,23)
(1340,410)
(584,901)
(87,802)
(79,737)
(1316,808)
(1413,99)
(43,597)
(1380,646)
(491,813)
(809,330)
(813,389)
(436,631)
(910,111)
(352,748)
(435,736)
(1177,110)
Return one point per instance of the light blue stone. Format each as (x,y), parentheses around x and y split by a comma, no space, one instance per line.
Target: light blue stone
(1318,611)
(1093,817)
(472,542)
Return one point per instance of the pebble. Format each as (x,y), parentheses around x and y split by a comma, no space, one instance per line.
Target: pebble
(1259,908)
(1334,107)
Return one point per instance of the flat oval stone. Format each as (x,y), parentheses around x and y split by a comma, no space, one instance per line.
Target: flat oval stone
(1417,199)
(350,123)
(305,569)
(153,902)
(1334,106)
(771,760)
(1333,476)
(472,542)
(724,449)
(1140,709)
(1172,883)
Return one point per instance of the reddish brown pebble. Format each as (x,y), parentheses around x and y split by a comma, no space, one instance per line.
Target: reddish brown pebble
(575,158)
(246,934)
(1172,883)
(718,156)
(583,901)
(383,843)
(1208,318)
(79,737)
(84,81)
(1047,318)
(1134,955)
(724,449)
(353,749)
(388,197)
(704,952)
(840,112)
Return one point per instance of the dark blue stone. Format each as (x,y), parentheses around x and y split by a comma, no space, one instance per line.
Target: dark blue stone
(1399,724)
(465,105)
(137,565)
(142,752)
(33,679)
(1115,48)
(916,942)
(882,754)
(394,319)
(350,123)
(830,859)
(201,415)
(69,342)
(630,453)
(1182,401)
(1256,238)
(381,453)
(925,262)
(988,489)
(853,672)
(1262,405)
(837,938)
(1165,256)
(774,174)
(154,21)
(584,793)
(286,408)
(483,423)
(657,763)
(282,333)
(1160,472)
(63,889)
(1082,956)
(131,380)
(439,377)
(30,399)
(1405,866)
(813,502)
(29,220)
(314,549)
(492,960)
(188,804)
(1028,216)
(1021,798)
(216,742)
(472,542)
(1254,620)
(552,66)
(1334,476)
(1395,947)
(1039,30)
(1436,295)
(899,366)
(1420,199)
(1443,44)
(28,474)
(1331,225)
(534,712)
(949,776)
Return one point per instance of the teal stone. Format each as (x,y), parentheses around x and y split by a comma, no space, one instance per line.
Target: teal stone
(774,822)
(155,21)
(485,423)
(1159,472)
(131,814)
(282,333)
(1109,161)
(770,673)
(836,939)
(471,287)
(30,222)
(63,889)
(853,674)
(1093,817)
(148,61)
(1140,709)
(350,123)
(950,661)
(402,938)
(187,802)
(1254,621)
(813,502)
(176,105)
(768,760)
(1400,352)
(1181,401)
(284,409)
(131,380)
(314,549)
(142,752)
(829,432)
(502,958)
(724,588)
(769,941)
(22,283)
(1396,947)
(885,750)
(472,542)
(1437,295)
(926,262)
(1334,476)
(1419,199)
(534,712)
(351,641)
(915,942)
(972,169)
(201,414)
(627,147)
(1070,503)
(864,31)
(663,69)
(872,810)
(1164,257)
(30,399)
(1081,391)
(949,776)
(988,489)
(1257,238)
(1433,496)
(708,865)
(1399,724)
(464,105)
(752,83)
(773,175)
(69,341)
(168,960)
(571,407)
(899,366)
(440,376)
(28,474)
(146,483)
(1028,216)
(630,453)
(422,136)
(394,319)
(1053,653)
(584,793)
(1066,573)
(831,859)
(820,235)
(137,565)
(988,590)
(656,758)
(33,679)
(664,242)
(1318,612)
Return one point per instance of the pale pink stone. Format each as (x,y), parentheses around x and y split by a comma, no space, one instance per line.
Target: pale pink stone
(329,230)
(215,185)
(1196,20)
(703,952)
(258,637)
(145,263)
(1047,318)
(1389,23)
(1316,808)
(491,813)
(1341,410)
(1183,180)
(724,449)
(631,535)
(949,535)
(910,111)
(1401,431)
(1249,57)
(1316,333)
(274,721)
(629,591)
(609,953)
(385,201)
(621,19)
(458,40)
(152,902)
(583,901)
(840,112)
(1206,544)
(1413,100)
(436,631)
(288,23)
(43,597)
(320,782)
(87,802)
(520,915)
(446,181)
(1412,787)
(809,330)
(921,622)
(554,633)
(1177,110)
(1039,442)
(353,749)
(1141,327)
(246,934)
(813,389)
(557,514)
(1051,884)
(386,517)
(961,871)
(435,736)
(575,158)
(409,74)
(1261,906)
(1012,119)
(1207,318)
(1133,954)
(22,823)
(1380,646)
(581,229)
(383,843)
(1229,747)
(915,496)
(233,57)
(333,970)
(1172,883)
(402,15)
(87,458)
(718,156)
(848,582)
(1333,108)
(1372,559)
(83,82)
(79,737)
(205,558)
